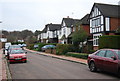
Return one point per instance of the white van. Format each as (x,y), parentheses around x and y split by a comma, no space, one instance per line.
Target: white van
(6,47)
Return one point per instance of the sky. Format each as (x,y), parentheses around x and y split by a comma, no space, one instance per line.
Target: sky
(18,15)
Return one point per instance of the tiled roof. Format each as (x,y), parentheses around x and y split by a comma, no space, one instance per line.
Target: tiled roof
(53,27)
(70,21)
(109,10)
(85,20)
(44,30)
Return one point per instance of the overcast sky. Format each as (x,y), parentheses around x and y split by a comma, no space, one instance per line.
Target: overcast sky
(34,14)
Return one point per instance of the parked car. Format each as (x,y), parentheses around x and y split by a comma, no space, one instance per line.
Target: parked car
(12,47)
(47,47)
(35,46)
(24,45)
(105,60)
(17,55)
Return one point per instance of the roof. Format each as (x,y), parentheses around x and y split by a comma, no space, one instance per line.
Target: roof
(108,10)
(53,27)
(85,20)
(44,30)
(70,21)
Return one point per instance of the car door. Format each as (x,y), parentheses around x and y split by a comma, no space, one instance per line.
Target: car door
(99,58)
(109,63)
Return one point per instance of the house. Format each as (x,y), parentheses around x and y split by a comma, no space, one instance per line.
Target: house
(66,29)
(44,35)
(53,32)
(50,33)
(3,40)
(104,20)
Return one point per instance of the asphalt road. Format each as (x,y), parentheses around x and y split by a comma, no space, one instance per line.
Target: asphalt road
(43,67)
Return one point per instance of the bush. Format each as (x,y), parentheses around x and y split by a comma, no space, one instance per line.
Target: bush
(30,46)
(62,49)
(112,42)
(78,55)
(17,43)
(40,45)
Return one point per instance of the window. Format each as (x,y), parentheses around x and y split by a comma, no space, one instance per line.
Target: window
(101,53)
(109,54)
(118,53)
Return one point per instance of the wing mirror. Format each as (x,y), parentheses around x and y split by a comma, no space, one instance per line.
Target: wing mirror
(113,57)
(25,52)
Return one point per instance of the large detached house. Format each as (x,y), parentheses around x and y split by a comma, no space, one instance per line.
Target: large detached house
(44,35)
(50,33)
(53,31)
(66,29)
(104,20)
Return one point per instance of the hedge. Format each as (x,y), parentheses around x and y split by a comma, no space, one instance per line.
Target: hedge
(62,49)
(77,55)
(108,41)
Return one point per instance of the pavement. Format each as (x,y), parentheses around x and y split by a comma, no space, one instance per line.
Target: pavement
(2,67)
(68,58)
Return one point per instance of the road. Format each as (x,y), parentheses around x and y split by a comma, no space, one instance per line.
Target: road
(43,67)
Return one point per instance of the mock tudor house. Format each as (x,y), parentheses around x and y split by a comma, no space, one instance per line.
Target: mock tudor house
(44,35)
(66,30)
(53,32)
(104,20)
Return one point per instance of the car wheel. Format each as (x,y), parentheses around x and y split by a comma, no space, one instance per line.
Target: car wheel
(92,67)
(25,61)
(118,73)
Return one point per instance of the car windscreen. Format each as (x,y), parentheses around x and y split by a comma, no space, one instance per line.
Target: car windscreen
(118,53)
(16,51)
(11,47)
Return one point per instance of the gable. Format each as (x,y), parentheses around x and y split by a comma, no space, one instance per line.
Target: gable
(107,10)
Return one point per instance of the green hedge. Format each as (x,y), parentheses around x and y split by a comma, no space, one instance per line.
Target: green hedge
(17,43)
(62,49)
(78,55)
(108,41)
(30,46)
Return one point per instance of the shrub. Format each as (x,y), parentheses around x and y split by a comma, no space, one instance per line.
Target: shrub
(112,42)
(17,43)
(77,55)
(63,48)
(40,45)
(30,46)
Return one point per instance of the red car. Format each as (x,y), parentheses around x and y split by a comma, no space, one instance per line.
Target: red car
(17,55)
(105,60)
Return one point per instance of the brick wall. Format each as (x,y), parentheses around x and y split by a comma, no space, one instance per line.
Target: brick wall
(114,23)
(87,29)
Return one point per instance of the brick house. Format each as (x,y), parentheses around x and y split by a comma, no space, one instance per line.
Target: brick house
(104,20)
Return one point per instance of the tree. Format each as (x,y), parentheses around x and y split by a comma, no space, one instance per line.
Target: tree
(26,33)
(30,39)
(36,33)
(78,38)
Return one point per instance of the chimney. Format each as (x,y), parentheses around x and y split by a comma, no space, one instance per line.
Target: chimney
(68,17)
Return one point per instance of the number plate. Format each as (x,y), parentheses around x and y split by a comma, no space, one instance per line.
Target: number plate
(17,58)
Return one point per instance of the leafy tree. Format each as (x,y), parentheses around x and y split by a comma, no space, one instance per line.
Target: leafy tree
(26,33)
(36,33)
(30,39)
(79,37)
